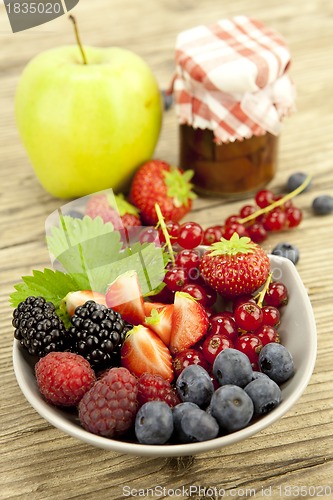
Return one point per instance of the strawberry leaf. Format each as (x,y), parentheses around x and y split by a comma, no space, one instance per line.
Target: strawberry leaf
(179,187)
(52,285)
(233,246)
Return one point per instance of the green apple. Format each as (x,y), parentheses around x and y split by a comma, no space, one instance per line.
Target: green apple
(87,127)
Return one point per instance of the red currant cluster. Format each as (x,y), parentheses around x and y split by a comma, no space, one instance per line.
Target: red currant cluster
(271,213)
(250,324)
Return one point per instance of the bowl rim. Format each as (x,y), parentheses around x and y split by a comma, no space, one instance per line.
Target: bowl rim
(50,414)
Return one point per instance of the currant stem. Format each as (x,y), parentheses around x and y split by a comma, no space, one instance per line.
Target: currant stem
(262,293)
(165,232)
(277,203)
(78,41)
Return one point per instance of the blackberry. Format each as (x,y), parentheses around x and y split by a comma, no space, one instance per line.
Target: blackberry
(97,334)
(38,328)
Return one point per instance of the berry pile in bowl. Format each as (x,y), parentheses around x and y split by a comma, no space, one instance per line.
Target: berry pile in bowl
(160,350)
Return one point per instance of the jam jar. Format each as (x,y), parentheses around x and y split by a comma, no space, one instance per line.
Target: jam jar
(230,169)
(231,92)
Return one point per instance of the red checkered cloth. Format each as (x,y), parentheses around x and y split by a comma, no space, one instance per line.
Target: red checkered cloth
(231,78)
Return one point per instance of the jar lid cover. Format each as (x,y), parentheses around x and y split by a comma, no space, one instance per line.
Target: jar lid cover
(231,77)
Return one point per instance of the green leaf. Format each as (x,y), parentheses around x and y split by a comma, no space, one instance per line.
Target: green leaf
(52,285)
(92,248)
(147,260)
(86,246)
(233,246)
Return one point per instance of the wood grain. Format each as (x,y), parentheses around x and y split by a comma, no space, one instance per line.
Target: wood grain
(39,461)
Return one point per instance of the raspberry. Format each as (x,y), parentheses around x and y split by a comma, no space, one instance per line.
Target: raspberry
(154,387)
(64,377)
(109,407)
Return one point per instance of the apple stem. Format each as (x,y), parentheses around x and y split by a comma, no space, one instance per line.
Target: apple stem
(77,36)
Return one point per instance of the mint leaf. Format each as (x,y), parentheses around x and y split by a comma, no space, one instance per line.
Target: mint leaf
(52,285)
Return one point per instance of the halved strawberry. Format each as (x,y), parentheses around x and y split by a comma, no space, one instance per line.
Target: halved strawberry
(76,299)
(160,320)
(144,352)
(124,296)
(189,322)
(149,306)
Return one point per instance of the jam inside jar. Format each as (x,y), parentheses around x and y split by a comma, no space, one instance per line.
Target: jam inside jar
(228,169)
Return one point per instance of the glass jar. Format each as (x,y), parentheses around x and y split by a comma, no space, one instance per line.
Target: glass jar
(229,169)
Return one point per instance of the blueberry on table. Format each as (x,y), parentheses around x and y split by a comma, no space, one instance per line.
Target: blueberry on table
(265,394)
(154,423)
(232,367)
(167,99)
(232,407)
(196,425)
(277,362)
(323,204)
(287,250)
(195,385)
(295,180)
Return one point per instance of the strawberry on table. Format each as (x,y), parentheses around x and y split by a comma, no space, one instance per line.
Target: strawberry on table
(114,209)
(235,267)
(124,296)
(143,351)
(189,322)
(158,182)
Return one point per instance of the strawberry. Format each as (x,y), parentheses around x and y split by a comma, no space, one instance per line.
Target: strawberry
(124,296)
(157,182)
(160,320)
(235,267)
(189,322)
(76,299)
(149,306)
(114,209)
(144,352)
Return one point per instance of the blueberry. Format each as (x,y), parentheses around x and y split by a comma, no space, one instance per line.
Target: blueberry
(195,385)
(265,394)
(167,99)
(232,367)
(232,407)
(256,375)
(154,423)
(295,180)
(323,204)
(287,250)
(192,424)
(277,362)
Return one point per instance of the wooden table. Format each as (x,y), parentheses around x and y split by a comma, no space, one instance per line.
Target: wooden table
(39,461)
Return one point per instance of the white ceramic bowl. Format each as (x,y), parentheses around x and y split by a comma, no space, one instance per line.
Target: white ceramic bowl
(298,334)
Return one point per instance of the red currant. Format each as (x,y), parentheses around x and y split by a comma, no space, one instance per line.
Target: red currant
(172,228)
(271,315)
(275,220)
(294,216)
(214,344)
(175,279)
(250,345)
(149,235)
(276,295)
(212,234)
(186,358)
(234,227)
(264,198)
(257,232)
(242,299)
(247,210)
(223,324)
(248,316)
(267,334)
(231,219)
(187,259)
(197,292)
(190,235)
